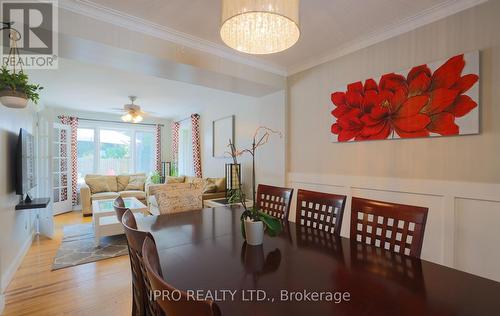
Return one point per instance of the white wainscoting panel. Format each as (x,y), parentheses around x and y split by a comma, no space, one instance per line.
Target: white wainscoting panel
(463,223)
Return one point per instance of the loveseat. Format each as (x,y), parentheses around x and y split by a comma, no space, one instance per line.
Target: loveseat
(103,187)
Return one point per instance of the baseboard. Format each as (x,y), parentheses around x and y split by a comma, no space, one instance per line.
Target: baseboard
(11,270)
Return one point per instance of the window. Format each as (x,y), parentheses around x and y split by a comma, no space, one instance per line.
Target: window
(185,149)
(115,150)
(86,152)
(145,151)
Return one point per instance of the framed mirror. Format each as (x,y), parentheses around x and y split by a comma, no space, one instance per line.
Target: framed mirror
(222,132)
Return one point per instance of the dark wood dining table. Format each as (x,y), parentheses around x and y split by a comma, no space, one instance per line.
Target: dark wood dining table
(204,252)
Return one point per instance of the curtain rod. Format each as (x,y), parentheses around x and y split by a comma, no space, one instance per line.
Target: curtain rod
(109,121)
(186,118)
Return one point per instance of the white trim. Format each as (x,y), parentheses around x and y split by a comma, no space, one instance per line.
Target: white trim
(108,15)
(430,15)
(11,270)
(458,189)
(444,235)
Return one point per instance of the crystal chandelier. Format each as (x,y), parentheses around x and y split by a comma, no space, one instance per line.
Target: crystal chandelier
(260,26)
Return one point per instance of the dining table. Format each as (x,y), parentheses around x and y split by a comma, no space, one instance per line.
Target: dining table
(306,271)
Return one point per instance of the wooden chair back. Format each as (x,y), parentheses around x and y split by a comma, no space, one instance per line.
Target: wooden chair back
(119,207)
(395,227)
(140,283)
(182,305)
(319,210)
(274,201)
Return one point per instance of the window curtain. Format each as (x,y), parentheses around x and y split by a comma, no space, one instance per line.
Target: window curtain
(195,134)
(175,145)
(72,121)
(158,148)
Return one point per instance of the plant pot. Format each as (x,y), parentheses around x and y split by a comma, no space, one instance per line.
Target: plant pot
(254,232)
(13,99)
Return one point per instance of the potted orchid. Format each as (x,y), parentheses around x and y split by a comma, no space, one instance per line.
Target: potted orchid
(253,220)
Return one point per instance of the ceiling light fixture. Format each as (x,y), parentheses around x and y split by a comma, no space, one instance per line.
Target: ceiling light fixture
(133,112)
(260,26)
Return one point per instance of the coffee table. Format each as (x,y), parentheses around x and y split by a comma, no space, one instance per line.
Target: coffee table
(104,218)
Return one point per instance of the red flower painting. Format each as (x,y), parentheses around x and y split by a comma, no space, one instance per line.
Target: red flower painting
(421,104)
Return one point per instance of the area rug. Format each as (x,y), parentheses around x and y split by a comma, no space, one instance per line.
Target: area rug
(77,247)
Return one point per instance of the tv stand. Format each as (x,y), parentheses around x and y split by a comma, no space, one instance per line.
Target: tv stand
(29,204)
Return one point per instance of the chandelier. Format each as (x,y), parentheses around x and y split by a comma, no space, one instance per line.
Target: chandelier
(260,26)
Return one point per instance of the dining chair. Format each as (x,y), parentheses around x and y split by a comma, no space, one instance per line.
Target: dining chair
(119,207)
(322,211)
(274,201)
(141,288)
(395,227)
(182,305)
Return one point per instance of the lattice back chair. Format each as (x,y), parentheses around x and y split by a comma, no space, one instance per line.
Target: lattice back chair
(140,283)
(177,307)
(119,207)
(322,211)
(395,227)
(274,201)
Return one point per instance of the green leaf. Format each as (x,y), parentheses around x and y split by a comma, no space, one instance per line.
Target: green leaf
(19,82)
(272,223)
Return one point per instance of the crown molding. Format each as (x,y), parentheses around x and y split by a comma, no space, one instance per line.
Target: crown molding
(425,17)
(118,18)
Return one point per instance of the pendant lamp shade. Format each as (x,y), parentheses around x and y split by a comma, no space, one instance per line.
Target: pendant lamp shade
(260,26)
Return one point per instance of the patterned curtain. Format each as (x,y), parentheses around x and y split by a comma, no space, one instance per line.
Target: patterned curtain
(175,145)
(158,148)
(195,125)
(72,121)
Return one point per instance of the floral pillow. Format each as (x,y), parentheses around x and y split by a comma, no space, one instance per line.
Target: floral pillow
(179,197)
(136,182)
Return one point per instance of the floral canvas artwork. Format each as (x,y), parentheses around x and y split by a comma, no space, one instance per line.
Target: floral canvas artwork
(435,99)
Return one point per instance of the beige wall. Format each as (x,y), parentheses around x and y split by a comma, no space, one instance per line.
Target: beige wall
(250,113)
(16,227)
(456,178)
(462,158)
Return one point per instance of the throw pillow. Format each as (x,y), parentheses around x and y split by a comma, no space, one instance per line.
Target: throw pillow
(97,185)
(221,184)
(175,179)
(179,197)
(136,182)
(122,182)
(210,188)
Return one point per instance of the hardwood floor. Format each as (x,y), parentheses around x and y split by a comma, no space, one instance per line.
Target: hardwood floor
(99,288)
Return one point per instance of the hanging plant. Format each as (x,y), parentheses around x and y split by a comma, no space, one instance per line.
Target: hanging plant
(15,90)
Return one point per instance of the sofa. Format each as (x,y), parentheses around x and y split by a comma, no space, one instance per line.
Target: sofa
(103,187)
(213,188)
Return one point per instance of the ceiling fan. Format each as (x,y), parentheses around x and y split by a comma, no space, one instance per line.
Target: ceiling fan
(132,112)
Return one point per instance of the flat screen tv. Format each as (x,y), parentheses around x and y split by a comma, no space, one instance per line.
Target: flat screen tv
(25,163)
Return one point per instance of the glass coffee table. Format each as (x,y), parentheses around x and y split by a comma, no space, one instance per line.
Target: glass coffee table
(104,218)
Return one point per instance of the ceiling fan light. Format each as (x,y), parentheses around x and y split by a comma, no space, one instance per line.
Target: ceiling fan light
(260,26)
(137,119)
(127,117)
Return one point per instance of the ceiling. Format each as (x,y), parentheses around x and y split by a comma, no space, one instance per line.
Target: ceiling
(101,89)
(326,25)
